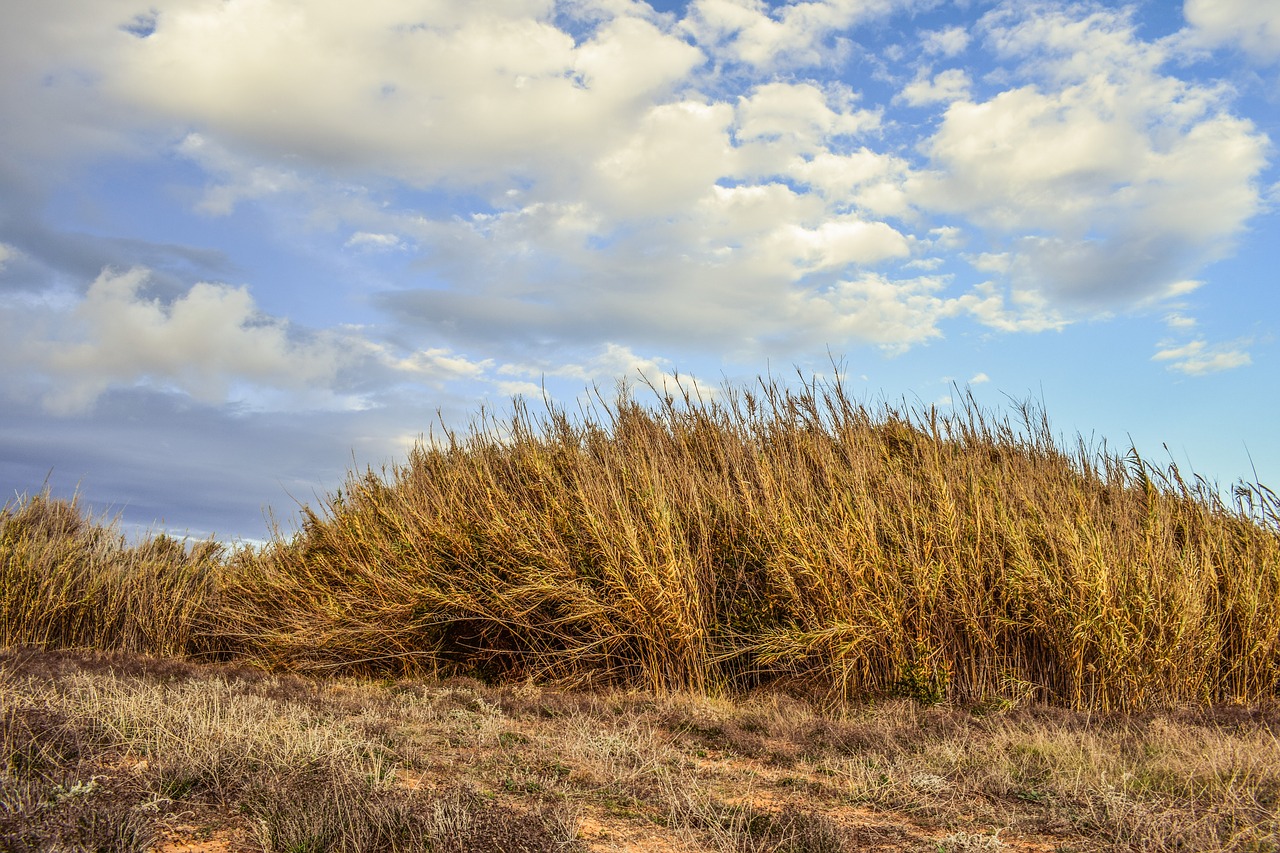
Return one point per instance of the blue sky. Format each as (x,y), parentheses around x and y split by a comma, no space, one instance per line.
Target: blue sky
(248,244)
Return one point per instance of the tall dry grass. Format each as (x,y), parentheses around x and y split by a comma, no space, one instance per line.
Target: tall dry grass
(68,580)
(774,533)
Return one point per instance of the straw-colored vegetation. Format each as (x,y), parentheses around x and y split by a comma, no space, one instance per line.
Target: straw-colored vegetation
(68,580)
(759,536)
(130,754)
(802,624)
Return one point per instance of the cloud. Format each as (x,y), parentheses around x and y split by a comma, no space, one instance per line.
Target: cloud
(373,242)
(833,245)
(946,86)
(1198,358)
(151,456)
(1012,310)
(949,42)
(211,344)
(674,158)
(6,253)
(1106,180)
(798,116)
(236,179)
(795,34)
(202,344)
(1252,25)
(608,363)
(872,182)
(979,378)
(895,314)
(471,93)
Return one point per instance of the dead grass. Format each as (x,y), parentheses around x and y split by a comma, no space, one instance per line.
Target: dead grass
(68,580)
(126,753)
(785,537)
(767,536)
(774,620)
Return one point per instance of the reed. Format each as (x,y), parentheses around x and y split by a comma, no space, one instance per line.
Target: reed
(780,534)
(68,580)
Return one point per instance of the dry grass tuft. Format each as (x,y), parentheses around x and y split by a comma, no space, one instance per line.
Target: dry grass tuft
(70,581)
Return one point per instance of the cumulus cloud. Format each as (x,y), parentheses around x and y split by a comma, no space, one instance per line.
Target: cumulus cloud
(1198,358)
(751,32)
(211,343)
(469,92)
(951,41)
(895,314)
(1253,25)
(202,343)
(833,245)
(945,87)
(1106,179)
(799,116)
(674,158)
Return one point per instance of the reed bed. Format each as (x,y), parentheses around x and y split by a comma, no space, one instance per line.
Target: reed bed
(69,580)
(783,535)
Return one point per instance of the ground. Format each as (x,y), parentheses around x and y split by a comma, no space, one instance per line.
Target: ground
(131,753)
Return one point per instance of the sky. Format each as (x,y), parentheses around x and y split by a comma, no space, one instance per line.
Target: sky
(249,245)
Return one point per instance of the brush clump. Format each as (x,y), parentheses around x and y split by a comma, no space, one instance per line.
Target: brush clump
(771,535)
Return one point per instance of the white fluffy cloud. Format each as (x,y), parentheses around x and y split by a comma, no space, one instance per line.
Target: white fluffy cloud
(753,32)
(202,343)
(945,87)
(211,343)
(891,313)
(1254,25)
(951,41)
(458,92)
(1106,178)
(834,245)
(672,160)
(799,116)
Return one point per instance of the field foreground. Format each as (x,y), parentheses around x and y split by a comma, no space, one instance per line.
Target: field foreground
(133,753)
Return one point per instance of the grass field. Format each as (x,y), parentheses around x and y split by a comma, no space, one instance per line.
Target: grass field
(127,753)
(955,618)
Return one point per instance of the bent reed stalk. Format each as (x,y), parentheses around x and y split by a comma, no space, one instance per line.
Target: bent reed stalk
(769,535)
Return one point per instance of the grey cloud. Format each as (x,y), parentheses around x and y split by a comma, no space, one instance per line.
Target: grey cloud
(155,457)
(1102,273)
(47,255)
